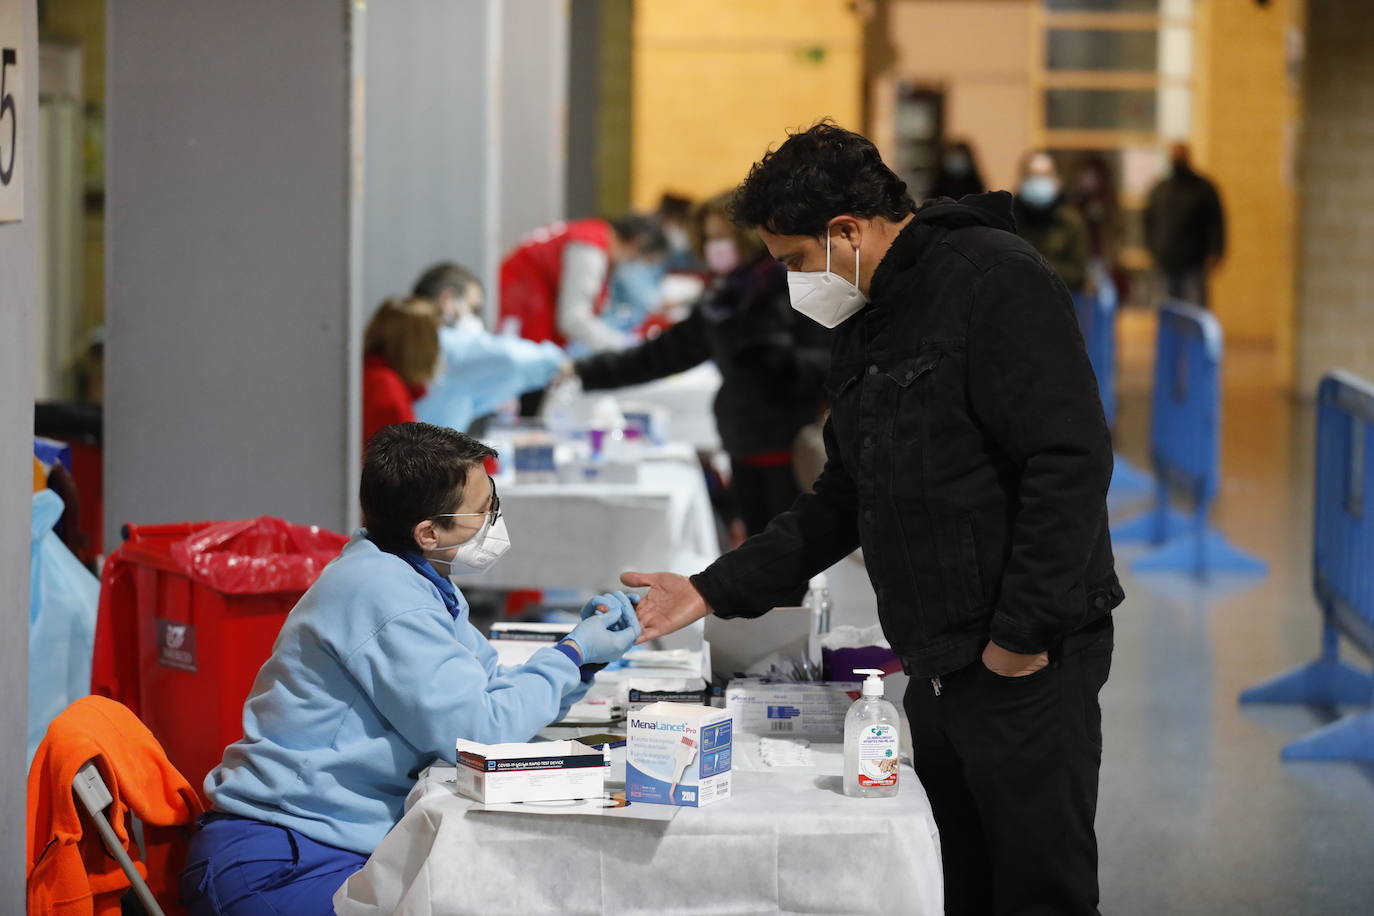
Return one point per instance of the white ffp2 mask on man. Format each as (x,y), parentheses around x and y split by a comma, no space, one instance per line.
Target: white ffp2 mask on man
(827,299)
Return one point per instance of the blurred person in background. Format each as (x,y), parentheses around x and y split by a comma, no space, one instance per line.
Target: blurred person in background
(480,371)
(1046,220)
(1185,229)
(772,361)
(674,214)
(1093,192)
(636,285)
(957,173)
(556,282)
(400,357)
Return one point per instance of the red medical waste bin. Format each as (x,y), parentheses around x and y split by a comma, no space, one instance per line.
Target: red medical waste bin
(188,614)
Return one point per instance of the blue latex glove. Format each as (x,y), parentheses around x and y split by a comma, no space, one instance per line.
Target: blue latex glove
(608,602)
(603,638)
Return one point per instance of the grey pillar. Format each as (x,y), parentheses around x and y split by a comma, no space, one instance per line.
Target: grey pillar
(433,176)
(534,116)
(18,308)
(232,355)
(465,141)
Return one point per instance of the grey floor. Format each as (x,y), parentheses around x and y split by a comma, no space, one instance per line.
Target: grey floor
(1197,813)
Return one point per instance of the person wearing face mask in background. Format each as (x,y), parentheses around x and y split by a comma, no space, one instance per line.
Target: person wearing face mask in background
(957,174)
(674,216)
(376,673)
(1046,220)
(480,371)
(772,361)
(967,453)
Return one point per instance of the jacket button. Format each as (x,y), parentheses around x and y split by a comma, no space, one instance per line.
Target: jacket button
(910,375)
(873,370)
(1100,602)
(868,441)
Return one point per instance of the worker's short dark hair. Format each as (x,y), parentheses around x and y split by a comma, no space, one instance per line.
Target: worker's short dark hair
(445,276)
(641,231)
(816,175)
(413,472)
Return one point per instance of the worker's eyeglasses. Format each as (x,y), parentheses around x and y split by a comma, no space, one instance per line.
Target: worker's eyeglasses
(491,514)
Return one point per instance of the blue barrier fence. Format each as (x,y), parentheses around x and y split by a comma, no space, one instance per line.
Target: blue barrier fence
(1097,320)
(1185,449)
(1342,575)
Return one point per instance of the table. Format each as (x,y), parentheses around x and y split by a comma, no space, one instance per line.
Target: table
(688,398)
(786,842)
(584,535)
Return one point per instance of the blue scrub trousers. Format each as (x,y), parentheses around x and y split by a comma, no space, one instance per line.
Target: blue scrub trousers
(238,866)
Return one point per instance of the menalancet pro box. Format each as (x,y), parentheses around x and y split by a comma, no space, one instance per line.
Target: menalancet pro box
(678,755)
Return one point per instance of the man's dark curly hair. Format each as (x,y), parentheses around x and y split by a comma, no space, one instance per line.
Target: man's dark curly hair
(816,175)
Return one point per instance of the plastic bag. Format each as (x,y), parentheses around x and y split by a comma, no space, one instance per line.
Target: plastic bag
(257,556)
(846,648)
(62,605)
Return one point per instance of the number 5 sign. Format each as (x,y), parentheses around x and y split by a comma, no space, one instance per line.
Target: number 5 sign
(12,113)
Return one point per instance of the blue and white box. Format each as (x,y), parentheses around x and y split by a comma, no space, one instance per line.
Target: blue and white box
(678,755)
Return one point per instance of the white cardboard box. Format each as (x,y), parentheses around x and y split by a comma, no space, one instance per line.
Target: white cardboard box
(537,771)
(790,710)
(678,755)
(515,643)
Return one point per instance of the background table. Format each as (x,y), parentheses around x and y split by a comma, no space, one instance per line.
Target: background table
(786,842)
(584,535)
(687,397)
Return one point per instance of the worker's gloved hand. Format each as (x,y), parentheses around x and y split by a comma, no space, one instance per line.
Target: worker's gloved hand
(603,638)
(610,602)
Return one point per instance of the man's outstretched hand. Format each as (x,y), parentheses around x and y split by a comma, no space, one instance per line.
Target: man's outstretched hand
(672,603)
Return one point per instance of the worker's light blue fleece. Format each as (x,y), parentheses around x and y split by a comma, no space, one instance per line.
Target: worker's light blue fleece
(481,371)
(371,679)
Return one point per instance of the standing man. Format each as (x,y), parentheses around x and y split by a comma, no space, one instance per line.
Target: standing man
(1185,228)
(968,455)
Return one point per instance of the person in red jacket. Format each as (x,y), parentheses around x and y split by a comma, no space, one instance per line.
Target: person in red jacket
(555,281)
(400,357)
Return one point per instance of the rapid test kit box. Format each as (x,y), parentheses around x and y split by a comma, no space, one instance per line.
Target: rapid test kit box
(539,771)
(678,755)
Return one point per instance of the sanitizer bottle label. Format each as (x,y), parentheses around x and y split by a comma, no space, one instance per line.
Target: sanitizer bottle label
(878,756)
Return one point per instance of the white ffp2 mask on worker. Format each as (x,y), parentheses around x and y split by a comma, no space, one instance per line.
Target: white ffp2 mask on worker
(827,299)
(479,552)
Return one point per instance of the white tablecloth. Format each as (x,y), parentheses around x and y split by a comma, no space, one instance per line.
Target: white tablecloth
(786,842)
(584,535)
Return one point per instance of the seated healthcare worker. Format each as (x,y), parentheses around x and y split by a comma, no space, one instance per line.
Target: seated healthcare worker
(376,673)
(400,357)
(480,370)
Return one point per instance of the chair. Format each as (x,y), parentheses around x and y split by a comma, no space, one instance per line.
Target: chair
(96,797)
(97,757)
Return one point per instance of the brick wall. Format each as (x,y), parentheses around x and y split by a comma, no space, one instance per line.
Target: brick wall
(1336,282)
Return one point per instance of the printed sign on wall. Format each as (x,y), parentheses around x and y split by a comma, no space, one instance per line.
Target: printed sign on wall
(12,117)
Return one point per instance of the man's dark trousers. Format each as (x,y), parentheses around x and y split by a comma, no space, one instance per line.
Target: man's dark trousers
(1010,766)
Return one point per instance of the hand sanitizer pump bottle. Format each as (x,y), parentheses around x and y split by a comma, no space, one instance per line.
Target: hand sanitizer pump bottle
(872,736)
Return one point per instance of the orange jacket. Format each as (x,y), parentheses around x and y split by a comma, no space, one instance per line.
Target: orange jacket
(69,870)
